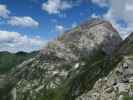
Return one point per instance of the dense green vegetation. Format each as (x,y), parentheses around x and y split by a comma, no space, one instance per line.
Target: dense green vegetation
(128,98)
(10,60)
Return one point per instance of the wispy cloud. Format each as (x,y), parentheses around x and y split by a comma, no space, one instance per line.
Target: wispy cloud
(4,12)
(95,16)
(24,21)
(60,28)
(55,6)
(14,41)
(119,10)
(74,25)
(102,3)
(122,12)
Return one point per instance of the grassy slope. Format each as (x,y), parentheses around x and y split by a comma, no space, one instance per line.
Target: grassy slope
(10,60)
(128,98)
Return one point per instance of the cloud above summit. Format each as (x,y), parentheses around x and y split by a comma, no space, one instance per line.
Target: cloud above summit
(120,13)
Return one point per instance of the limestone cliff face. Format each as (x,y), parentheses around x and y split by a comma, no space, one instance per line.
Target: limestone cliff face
(118,84)
(68,66)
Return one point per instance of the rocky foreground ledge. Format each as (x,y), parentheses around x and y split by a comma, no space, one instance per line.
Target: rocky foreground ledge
(118,84)
(89,62)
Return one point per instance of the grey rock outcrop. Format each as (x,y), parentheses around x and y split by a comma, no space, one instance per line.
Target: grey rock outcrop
(69,65)
(118,84)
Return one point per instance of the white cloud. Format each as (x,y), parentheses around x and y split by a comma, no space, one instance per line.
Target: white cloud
(121,10)
(95,16)
(14,41)
(55,6)
(60,28)
(129,7)
(24,21)
(102,3)
(74,25)
(4,12)
(124,31)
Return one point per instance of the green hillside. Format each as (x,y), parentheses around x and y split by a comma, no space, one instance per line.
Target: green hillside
(10,60)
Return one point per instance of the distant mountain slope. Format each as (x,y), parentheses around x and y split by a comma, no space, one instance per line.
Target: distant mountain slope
(10,60)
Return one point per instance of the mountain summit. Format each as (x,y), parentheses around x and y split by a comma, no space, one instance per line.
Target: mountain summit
(68,66)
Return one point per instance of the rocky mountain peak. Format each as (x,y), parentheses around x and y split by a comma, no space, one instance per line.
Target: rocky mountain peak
(68,65)
(89,35)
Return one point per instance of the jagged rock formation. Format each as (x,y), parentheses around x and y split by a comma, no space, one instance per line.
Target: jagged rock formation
(118,85)
(69,66)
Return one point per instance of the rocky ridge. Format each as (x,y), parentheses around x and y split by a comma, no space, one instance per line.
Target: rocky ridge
(118,84)
(71,67)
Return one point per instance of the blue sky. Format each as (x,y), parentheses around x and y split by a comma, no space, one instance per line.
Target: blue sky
(26,25)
